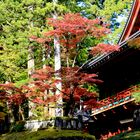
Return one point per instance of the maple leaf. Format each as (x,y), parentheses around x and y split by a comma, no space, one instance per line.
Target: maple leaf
(104,48)
(71,28)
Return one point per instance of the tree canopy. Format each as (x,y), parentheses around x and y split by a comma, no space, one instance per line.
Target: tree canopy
(22,22)
(20,19)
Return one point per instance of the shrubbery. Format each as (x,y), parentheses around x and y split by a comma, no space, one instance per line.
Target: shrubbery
(49,134)
(18,126)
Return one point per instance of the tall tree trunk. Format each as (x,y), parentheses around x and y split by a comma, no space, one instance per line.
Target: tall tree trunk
(67,58)
(57,58)
(45,55)
(31,68)
(21,114)
(31,61)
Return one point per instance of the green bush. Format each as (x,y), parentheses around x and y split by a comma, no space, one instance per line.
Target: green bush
(49,134)
(68,138)
(18,126)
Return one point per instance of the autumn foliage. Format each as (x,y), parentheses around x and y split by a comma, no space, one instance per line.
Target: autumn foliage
(72,87)
(70,29)
(42,89)
(104,49)
(12,98)
(11,94)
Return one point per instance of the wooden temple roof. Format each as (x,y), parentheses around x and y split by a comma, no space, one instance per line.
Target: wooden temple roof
(131,31)
(93,64)
(133,22)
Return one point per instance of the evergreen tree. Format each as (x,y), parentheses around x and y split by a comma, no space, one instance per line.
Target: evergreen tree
(19,20)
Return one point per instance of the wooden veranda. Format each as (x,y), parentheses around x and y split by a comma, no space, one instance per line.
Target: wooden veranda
(119,99)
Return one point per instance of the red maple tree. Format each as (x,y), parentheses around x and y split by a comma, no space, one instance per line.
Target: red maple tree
(41,90)
(72,29)
(14,98)
(72,88)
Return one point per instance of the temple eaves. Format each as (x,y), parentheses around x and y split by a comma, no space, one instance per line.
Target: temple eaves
(130,32)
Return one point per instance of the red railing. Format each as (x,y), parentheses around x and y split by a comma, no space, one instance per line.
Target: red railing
(120,98)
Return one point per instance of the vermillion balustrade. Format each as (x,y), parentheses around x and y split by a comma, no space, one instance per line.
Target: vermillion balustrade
(120,98)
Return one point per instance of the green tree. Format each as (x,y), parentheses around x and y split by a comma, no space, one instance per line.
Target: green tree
(20,19)
(109,10)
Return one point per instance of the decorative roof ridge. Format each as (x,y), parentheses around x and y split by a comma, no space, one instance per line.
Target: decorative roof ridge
(128,28)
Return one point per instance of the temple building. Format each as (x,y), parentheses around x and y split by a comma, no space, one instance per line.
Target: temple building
(120,72)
